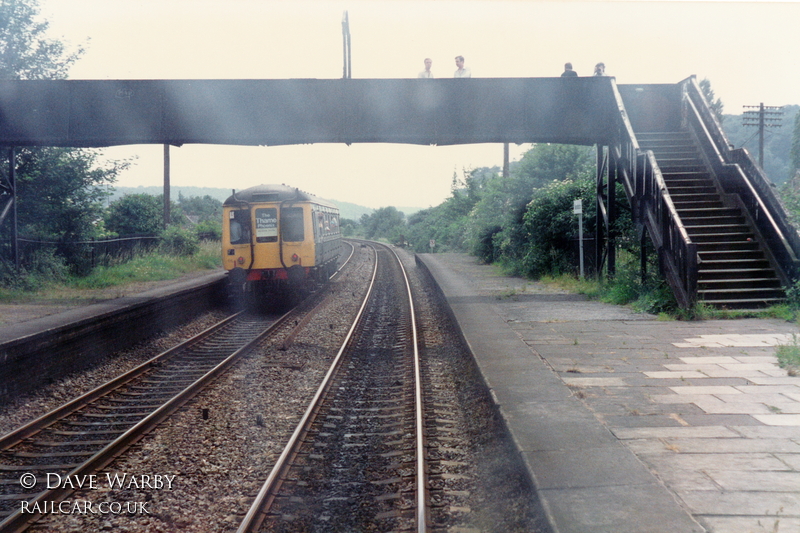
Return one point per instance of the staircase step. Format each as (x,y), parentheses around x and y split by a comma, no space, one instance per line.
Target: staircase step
(733,255)
(734,273)
(729,246)
(702,191)
(672,165)
(710,229)
(734,264)
(687,175)
(718,220)
(742,283)
(719,238)
(743,303)
(686,150)
(672,181)
(756,293)
(689,203)
(710,213)
(665,143)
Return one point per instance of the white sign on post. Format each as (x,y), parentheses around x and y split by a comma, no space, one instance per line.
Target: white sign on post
(577,208)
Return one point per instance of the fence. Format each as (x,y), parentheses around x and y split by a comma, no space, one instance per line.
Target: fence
(96,252)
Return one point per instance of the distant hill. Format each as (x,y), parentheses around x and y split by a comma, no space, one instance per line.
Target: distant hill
(347,209)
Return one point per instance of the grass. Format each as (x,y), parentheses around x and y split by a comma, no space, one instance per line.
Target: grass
(789,356)
(658,300)
(152,266)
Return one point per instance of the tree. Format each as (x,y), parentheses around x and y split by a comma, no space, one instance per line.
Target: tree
(25,51)
(550,226)
(136,214)
(716,105)
(59,190)
(205,208)
(386,222)
(495,223)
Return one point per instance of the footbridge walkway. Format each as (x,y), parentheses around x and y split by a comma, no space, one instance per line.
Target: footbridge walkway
(721,234)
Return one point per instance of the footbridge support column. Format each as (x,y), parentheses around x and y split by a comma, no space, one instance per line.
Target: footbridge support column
(605,238)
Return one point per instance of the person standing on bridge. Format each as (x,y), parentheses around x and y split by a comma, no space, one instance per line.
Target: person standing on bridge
(427,72)
(600,69)
(462,71)
(568,72)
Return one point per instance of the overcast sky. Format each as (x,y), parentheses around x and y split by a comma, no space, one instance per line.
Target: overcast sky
(750,51)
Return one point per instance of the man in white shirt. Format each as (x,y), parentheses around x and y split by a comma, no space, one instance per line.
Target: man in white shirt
(427,72)
(462,72)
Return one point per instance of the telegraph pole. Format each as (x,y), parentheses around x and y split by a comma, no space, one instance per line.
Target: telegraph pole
(166,186)
(505,160)
(763,117)
(348,72)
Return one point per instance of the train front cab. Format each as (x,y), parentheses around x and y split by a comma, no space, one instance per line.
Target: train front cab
(282,255)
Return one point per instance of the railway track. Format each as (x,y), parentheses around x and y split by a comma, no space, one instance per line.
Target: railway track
(356,461)
(44,461)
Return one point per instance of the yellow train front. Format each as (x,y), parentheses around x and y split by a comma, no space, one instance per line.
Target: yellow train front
(278,241)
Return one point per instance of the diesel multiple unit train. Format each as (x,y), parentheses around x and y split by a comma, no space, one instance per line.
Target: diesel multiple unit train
(278,241)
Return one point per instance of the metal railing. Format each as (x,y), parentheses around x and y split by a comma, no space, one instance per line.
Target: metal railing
(98,251)
(741,177)
(652,206)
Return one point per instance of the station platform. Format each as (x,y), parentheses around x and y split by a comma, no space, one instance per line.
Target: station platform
(41,342)
(631,424)
(20,320)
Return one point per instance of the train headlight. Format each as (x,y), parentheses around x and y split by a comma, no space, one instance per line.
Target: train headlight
(295,258)
(240,260)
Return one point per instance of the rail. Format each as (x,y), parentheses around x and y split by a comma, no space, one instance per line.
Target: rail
(255,517)
(18,521)
(268,492)
(647,193)
(739,175)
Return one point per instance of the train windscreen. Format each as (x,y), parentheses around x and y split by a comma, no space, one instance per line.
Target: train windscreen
(292,224)
(240,226)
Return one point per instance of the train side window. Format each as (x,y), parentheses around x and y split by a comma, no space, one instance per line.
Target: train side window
(240,226)
(292,224)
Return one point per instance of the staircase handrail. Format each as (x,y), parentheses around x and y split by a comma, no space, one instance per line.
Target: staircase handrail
(738,174)
(652,206)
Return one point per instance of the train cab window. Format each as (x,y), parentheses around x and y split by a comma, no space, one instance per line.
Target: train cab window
(292,224)
(267,224)
(240,226)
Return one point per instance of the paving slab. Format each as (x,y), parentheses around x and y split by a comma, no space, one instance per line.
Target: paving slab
(630,423)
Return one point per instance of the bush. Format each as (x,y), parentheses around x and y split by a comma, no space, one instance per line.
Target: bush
(550,225)
(178,241)
(209,230)
(793,296)
(44,268)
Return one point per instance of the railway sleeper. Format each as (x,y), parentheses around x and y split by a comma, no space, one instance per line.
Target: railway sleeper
(88,432)
(33,455)
(38,468)
(58,444)
(116,415)
(127,407)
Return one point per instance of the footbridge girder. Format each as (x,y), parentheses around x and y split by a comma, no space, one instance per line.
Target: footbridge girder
(96,113)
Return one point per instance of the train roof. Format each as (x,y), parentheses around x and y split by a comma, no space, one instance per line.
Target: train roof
(274,193)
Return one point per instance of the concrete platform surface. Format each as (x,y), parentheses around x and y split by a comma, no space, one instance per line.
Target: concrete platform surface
(22,320)
(631,424)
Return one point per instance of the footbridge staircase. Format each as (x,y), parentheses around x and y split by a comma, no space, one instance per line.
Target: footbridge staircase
(721,233)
